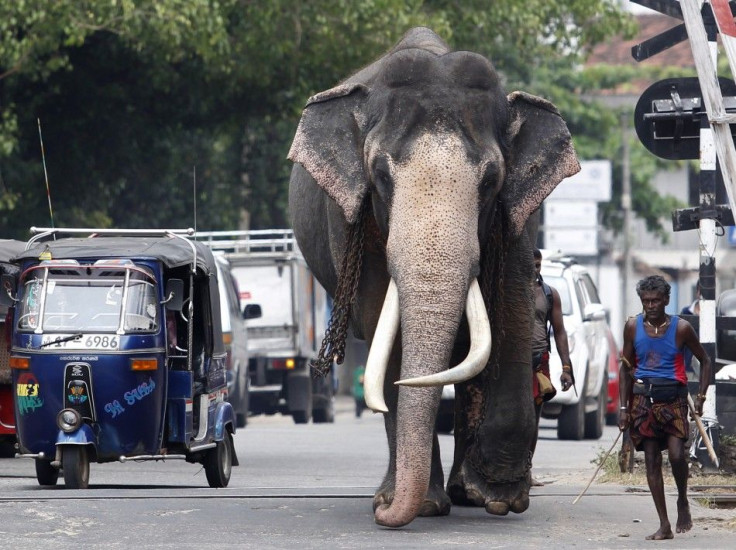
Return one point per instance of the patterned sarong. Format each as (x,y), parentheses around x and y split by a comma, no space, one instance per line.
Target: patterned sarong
(540,366)
(658,421)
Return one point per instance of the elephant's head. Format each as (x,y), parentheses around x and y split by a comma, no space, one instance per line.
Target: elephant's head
(432,140)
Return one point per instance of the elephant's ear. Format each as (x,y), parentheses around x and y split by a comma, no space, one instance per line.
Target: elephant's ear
(541,155)
(329,144)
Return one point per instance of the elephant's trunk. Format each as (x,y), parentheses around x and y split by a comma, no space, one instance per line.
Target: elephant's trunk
(414,456)
(429,324)
(433,256)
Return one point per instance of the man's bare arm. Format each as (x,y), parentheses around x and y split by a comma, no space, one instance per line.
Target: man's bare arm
(626,372)
(558,326)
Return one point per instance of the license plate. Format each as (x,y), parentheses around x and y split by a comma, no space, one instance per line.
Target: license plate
(86,341)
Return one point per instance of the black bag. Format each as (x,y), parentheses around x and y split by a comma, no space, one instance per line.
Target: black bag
(660,390)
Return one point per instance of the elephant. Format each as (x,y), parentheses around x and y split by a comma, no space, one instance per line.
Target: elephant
(414,197)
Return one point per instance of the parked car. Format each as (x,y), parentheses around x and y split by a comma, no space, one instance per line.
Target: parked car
(8,249)
(726,339)
(613,366)
(235,338)
(580,411)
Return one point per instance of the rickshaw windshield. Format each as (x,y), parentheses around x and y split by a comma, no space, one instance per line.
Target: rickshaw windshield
(89,298)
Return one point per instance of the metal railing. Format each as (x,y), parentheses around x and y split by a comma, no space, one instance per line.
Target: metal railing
(255,241)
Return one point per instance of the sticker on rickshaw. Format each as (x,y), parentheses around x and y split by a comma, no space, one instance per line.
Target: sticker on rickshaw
(85,341)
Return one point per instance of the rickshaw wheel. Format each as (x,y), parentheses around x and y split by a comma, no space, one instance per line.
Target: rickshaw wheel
(75,465)
(46,474)
(218,463)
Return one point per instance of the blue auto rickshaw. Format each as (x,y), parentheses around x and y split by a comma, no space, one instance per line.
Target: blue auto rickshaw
(117,353)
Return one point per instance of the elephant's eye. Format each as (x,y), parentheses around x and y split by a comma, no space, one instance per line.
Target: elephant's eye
(382,178)
(491,178)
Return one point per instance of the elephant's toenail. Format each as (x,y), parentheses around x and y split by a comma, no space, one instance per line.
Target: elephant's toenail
(497,508)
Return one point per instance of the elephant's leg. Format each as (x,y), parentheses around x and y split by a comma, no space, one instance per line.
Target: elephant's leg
(496,423)
(492,457)
(436,502)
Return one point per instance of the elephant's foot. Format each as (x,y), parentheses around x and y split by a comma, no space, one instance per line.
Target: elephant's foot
(467,488)
(436,503)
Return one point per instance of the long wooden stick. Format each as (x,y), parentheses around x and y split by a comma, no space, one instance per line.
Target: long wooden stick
(703,431)
(598,469)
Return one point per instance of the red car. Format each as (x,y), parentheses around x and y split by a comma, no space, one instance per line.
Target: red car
(8,249)
(613,366)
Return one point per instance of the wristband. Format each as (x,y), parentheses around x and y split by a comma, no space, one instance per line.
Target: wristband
(700,396)
(623,408)
(566,368)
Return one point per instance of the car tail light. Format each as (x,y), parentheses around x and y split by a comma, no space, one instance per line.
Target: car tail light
(19,362)
(143,364)
(283,364)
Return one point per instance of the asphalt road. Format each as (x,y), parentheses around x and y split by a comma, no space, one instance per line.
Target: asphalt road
(310,487)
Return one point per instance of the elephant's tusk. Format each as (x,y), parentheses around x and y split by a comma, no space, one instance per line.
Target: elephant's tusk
(480,346)
(383,341)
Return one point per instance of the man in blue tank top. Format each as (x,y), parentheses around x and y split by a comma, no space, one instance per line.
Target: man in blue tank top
(653,394)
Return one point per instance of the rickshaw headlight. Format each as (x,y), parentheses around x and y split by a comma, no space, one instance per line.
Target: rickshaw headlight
(68,420)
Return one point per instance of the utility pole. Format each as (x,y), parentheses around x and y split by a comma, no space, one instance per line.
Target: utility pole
(626,207)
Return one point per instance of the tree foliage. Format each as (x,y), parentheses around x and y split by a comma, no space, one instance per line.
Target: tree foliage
(148,106)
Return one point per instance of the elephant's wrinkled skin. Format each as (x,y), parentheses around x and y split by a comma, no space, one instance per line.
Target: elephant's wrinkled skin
(453,171)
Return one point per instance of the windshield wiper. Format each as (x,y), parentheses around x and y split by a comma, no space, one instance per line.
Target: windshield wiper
(62,340)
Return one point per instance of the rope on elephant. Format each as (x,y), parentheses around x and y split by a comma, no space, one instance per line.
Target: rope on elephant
(333,344)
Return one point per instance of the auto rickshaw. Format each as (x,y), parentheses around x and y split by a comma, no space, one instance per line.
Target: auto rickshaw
(8,249)
(117,353)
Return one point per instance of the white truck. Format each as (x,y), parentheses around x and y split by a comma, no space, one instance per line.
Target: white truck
(272,274)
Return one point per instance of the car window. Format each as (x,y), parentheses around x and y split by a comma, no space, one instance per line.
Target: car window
(225,299)
(581,294)
(590,289)
(560,285)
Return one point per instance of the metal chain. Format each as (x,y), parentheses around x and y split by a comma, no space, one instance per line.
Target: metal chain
(333,344)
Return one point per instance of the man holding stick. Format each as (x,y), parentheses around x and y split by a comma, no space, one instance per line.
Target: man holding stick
(653,394)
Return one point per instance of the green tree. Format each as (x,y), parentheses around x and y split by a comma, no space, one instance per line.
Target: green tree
(135,97)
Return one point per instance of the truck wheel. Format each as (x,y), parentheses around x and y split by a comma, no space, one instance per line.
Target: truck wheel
(241,418)
(7,449)
(325,414)
(594,420)
(46,474)
(444,423)
(218,463)
(75,465)
(571,423)
(300,417)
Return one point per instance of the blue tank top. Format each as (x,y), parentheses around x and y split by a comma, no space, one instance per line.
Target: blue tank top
(659,357)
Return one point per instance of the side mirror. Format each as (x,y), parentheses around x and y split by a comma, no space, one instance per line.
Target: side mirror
(252,311)
(594,312)
(7,290)
(174,294)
